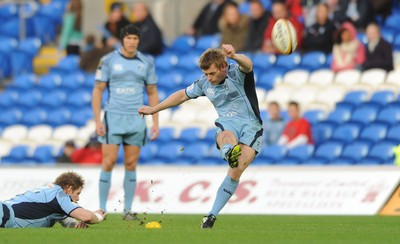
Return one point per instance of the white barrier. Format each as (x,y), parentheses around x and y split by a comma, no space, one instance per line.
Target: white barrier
(262,190)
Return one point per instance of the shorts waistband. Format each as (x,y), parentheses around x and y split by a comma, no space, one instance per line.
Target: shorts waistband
(6,215)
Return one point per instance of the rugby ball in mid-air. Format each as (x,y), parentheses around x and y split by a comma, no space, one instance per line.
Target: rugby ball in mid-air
(284,36)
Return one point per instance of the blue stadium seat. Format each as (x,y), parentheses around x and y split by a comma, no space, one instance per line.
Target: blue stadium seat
(273,154)
(396,42)
(22,58)
(373,133)
(73,81)
(263,61)
(147,152)
(298,154)
(78,99)
(166,61)
(8,98)
(380,153)
(209,137)
(353,99)
(34,116)
(392,22)
(10,28)
(312,61)
(190,135)
(364,115)
(393,135)
(7,47)
(183,44)
(352,153)
(207,41)
(191,77)
(29,99)
(362,37)
(188,61)
(170,80)
(17,154)
(389,116)
(288,62)
(269,78)
(322,132)
(81,116)
(50,81)
(89,81)
(24,82)
(338,116)
(8,10)
(325,153)
(67,65)
(57,117)
(314,116)
(388,34)
(380,99)
(43,154)
(10,117)
(166,135)
(328,61)
(195,152)
(54,99)
(169,152)
(346,133)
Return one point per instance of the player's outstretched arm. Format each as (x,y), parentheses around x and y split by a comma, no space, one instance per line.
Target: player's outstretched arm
(246,65)
(73,223)
(173,100)
(88,216)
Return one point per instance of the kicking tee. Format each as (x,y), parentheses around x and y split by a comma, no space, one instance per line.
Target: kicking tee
(126,79)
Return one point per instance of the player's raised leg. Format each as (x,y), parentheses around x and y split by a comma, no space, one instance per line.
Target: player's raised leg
(130,160)
(229,147)
(110,156)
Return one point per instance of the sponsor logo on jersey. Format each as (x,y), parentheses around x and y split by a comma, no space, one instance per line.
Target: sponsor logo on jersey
(210,91)
(125,90)
(118,67)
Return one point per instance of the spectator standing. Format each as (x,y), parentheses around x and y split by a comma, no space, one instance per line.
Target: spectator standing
(234,27)
(273,127)
(71,34)
(258,23)
(348,51)
(319,37)
(279,10)
(151,41)
(206,22)
(298,130)
(337,12)
(116,21)
(90,154)
(379,53)
(68,149)
(309,8)
(360,13)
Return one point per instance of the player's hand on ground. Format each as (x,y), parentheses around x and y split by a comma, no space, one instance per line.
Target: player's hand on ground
(102,213)
(146,110)
(81,225)
(228,50)
(154,132)
(100,129)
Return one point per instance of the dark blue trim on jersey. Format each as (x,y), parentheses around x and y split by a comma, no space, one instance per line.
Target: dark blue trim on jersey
(106,124)
(145,135)
(37,210)
(250,90)
(258,134)
(134,57)
(222,129)
(6,216)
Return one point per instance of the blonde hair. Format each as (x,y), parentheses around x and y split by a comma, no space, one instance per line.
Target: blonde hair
(212,56)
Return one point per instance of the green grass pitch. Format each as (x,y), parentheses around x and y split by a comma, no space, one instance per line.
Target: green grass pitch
(228,229)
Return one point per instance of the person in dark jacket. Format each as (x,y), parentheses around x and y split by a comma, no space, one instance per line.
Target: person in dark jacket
(379,53)
(116,21)
(150,35)
(258,23)
(319,37)
(206,22)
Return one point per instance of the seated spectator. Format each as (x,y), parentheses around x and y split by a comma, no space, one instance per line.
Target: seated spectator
(258,23)
(90,154)
(234,27)
(151,41)
(71,33)
(297,131)
(360,13)
(274,126)
(348,51)
(379,53)
(206,22)
(294,7)
(319,37)
(116,20)
(279,11)
(92,54)
(69,148)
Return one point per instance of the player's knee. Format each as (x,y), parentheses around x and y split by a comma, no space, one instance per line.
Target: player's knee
(131,162)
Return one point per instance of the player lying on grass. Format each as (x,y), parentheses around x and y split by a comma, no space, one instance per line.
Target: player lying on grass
(43,207)
(231,89)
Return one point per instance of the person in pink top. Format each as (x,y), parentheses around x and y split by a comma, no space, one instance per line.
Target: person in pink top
(348,52)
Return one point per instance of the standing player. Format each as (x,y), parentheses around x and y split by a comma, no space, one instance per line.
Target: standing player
(46,206)
(231,89)
(126,73)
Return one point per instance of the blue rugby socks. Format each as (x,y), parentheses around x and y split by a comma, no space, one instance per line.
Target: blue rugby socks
(104,188)
(224,193)
(129,189)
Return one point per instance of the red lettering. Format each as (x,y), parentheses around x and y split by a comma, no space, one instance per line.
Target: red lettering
(143,190)
(186,195)
(243,191)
